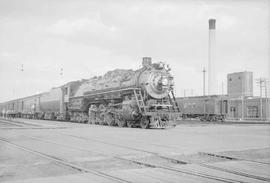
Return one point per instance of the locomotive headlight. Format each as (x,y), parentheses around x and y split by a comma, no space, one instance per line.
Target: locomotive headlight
(164,81)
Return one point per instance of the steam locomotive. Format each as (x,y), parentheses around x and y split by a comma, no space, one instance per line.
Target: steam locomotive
(141,98)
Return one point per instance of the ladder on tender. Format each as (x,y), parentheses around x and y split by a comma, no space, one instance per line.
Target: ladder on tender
(139,100)
(173,102)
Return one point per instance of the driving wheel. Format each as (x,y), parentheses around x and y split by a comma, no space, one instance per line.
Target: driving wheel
(145,122)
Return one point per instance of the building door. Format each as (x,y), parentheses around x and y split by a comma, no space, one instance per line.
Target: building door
(253,112)
(233,112)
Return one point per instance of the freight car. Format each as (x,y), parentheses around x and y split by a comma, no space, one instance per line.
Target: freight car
(141,98)
(23,107)
(205,108)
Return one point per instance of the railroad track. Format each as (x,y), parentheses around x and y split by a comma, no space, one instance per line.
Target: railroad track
(177,161)
(231,171)
(22,125)
(236,172)
(18,122)
(65,163)
(10,123)
(174,169)
(232,158)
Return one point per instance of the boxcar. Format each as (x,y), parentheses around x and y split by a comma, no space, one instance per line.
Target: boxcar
(210,108)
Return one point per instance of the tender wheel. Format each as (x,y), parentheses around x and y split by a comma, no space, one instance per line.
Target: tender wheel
(97,121)
(92,111)
(108,118)
(144,123)
(120,122)
(101,114)
(101,121)
(91,119)
(130,124)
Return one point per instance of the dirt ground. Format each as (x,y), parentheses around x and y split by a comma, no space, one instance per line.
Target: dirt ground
(48,151)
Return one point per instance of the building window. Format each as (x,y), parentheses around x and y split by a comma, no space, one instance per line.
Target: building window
(252,112)
(66,91)
(232,109)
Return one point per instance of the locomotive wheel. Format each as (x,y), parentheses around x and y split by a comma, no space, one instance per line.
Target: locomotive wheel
(100,121)
(96,122)
(108,118)
(144,123)
(129,124)
(120,122)
(91,119)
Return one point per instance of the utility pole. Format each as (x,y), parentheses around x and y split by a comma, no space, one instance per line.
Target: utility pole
(266,101)
(222,88)
(261,97)
(204,71)
(260,81)
(243,105)
(243,108)
(265,85)
(221,101)
(267,111)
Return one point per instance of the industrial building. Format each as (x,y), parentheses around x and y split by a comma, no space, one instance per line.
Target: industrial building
(250,108)
(240,84)
(241,102)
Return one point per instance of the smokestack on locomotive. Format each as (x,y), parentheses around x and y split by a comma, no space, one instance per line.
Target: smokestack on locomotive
(212,57)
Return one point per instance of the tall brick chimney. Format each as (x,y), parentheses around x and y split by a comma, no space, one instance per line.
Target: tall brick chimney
(212,84)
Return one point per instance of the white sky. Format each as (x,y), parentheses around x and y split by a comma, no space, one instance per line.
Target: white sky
(90,37)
